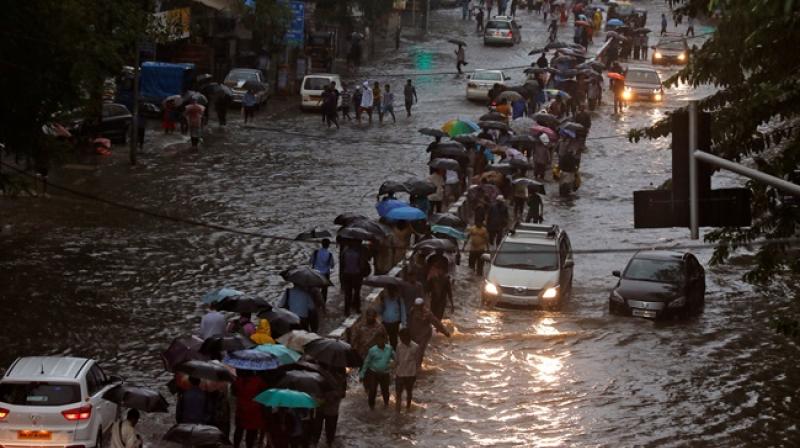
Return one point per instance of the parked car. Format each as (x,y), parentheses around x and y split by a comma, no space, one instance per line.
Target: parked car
(502,30)
(670,49)
(642,84)
(312,87)
(618,9)
(657,284)
(55,401)
(240,80)
(480,82)
(115,124)
(532,267)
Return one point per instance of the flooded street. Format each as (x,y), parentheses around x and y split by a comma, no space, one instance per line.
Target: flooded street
(84,278)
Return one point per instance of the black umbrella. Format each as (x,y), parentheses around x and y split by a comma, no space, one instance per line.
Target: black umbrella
(530,183)
(466,139)
(194,95)
(136,397)
(547,120)
(457,42)
(556,44)
(382,281)
(536,50)
(450,152)
(493,125)
(436,244)
(642,30)
(313,234)
(312,383)
(240,304)
(577,128)
(446,146)
(535,70)
(196,435)
(433,132)
(522,140)
(520,164)
(562,60)
(305,276)
(206,370)
(578,47)
(356,233)
(622,29)
(333,352)
(378,230)
(281,321)
(503,168)
(347,218)
(449,220)
(568,73)
(444,164)
(420,187)
(230,343)
(182,349)
(589,72)
(391,186)
(493,116)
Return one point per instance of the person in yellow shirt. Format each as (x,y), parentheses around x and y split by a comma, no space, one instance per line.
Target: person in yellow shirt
(263,334)
(504,108)
(478,239)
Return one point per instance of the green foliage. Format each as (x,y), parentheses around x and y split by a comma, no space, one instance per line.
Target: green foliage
(269,21)
(374,10)
(751,58)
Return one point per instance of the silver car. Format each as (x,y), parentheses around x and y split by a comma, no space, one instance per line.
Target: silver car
(501,30)
(481,81)
(642,84)
(240,80)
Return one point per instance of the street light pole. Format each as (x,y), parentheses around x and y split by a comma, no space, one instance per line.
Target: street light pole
(135,121)
(693,196)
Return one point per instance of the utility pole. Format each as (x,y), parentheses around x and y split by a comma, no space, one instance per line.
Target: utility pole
(427,14)
(694,213)
(414,15)
(135,121)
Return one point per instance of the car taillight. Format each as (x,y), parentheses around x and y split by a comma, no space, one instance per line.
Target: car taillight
(81,413)
(3,413)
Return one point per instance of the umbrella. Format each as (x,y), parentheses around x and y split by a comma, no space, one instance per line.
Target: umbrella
(556,92)
(355,233)
(137,397)
(406,214)
(457,127)
(546,119)
(444,164)
(220,294)
(281,321)
(333,352)
(252,360)
(493,116)
(436,244)
(457,42)
(578,47)
(297,339)
(562,60)
(466,139)
(493,125)
(642,30)
(545,130)
(520,164)
(450,152)
(196,435)
(311,383)
(615,22)
(419,187)
(512,153)
(383,281)
(305,276)
(594,65)
(432,132)
(567,133)
(348,218)
(502,168)
(206,370)
(177,100)
(535,70)
(228,343)
(522,125)
(522,139)
(313,234)
(577,128)
(536,51)
(448,219)
(589,72)
(182,349)
(453,145)
(509,95)
(623,29)
(487,143)
(530,183)
(391,186)
(583,23)
(555,45)
(196,96)
(614,75)
(448,231)
(285,398)
(243,305)
(500,150)
(377,229)
(383,207)
(284,354)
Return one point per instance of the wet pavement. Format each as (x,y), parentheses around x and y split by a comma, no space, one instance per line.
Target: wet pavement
(84,278)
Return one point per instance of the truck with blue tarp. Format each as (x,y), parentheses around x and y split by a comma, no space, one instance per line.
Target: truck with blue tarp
(157,81)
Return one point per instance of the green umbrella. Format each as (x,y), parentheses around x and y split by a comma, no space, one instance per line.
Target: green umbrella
(285,398)
(284,354)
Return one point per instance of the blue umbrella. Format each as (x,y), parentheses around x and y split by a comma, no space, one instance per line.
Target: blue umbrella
(220,294)
(406,214)
(284,354)
(449,231)
(384,207)
(615,22)
(252,360)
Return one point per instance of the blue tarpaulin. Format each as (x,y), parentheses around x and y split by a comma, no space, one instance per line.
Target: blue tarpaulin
(159,80)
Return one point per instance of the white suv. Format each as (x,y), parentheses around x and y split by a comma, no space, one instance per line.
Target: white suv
(55,402)
(532,267)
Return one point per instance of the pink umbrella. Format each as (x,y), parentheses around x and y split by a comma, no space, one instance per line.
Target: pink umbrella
(537,129)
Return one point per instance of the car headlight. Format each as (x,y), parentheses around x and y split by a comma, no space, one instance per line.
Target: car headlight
(658,55)
(615,296)
(682,57)
(677,303)
(626,94)
(490,289)
(657,95)
(550,293)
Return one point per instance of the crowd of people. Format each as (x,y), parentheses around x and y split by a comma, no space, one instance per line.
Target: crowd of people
(365,101)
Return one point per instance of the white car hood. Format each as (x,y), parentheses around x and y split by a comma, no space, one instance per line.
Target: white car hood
(522,278)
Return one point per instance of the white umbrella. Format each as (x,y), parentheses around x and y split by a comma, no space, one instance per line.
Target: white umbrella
(297,339)
(522,126)
(512,153)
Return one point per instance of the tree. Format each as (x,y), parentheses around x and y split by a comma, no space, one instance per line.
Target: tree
(750,57)
(269,20)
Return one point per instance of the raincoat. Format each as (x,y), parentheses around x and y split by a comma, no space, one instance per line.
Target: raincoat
(248,411)
(263,334)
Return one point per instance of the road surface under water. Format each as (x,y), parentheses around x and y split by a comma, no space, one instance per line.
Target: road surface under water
(89,279)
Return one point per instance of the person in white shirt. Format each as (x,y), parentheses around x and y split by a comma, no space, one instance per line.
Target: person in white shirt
(123,432)
(436,197)
(367,100)
(405,372)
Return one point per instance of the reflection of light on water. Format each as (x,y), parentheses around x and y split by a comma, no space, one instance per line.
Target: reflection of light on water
(545,327)
(546,367)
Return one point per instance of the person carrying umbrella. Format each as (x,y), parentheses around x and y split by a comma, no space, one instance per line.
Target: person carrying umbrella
(263,333)
(393,312)
(364,334)
(221,104)
(322,262)
(541,156)
(353,267)
(461,58)
(242,325)
(248,105)
(497,220)
(194,405)
(212,324)
(553,30)
(194,117)
(436,197)
(420,326)
(366,102)
(479,20)
(375,370)
(123,432)
(520,196)
(303,301)
(249,418)
(535,206)
(405,368)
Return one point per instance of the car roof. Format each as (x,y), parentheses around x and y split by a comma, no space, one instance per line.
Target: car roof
(323,75)
(640,68)
(531,238)
(244,70)
(502,19)
(665,255)
(46,368)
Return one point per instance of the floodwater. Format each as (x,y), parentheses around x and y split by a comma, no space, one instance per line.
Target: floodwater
(84,278)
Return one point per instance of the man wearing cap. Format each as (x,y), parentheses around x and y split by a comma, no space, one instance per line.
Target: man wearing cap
(420,320)
(366,100)
(541,156)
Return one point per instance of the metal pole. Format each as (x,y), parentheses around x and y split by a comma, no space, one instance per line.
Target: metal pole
(135,121)
(427,14)
(693,205)
(414,16)
(776,182)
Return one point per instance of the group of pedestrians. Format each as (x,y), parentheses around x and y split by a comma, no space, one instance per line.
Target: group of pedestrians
(365,100)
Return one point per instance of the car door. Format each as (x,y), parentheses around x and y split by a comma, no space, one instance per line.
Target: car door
(696,280)
(98,384)
(565,266)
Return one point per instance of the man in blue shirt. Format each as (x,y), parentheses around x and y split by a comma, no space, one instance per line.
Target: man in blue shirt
(302,302)
(393,313)
(322,262)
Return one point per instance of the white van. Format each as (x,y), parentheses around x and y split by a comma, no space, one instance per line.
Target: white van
(312,87)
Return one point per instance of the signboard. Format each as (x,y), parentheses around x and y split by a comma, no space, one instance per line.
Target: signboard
(175,23)
(296,32)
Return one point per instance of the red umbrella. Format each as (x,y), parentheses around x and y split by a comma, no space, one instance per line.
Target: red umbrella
(537,129)
(618,76)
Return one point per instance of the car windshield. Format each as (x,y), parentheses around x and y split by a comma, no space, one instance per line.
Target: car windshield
(536,257)
(642,76)
(487,76)
(316,83)
(237,76)
(675,45)
(662,271)
(40,393)
(497,24)
(624,10)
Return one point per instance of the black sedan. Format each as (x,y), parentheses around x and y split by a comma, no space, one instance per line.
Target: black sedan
(115,124)
(658,284)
